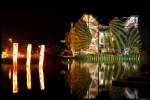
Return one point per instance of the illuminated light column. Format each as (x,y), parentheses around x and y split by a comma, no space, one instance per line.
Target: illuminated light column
(41,60)
(29,47)
(15,54)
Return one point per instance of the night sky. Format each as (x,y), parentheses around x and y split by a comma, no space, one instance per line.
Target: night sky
(33,24)
(44,21)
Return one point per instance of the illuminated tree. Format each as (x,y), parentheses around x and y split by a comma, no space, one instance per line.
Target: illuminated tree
(116,27)
(133,40)
(86,34)
(93,27)
(79,36)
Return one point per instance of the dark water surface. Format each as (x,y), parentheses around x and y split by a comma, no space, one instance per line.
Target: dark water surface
(68,78)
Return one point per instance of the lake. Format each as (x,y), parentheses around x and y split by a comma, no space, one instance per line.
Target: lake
(68,78)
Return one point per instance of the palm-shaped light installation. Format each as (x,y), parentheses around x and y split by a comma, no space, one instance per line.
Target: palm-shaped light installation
(134,41)
(79,36)
(116,27)
(84,35)
(93,26)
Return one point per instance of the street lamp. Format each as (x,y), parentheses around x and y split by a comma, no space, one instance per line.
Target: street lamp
(10,40)
(10,46)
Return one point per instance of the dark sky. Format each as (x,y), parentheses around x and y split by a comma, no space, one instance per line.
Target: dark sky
(44,21)
(33,24)
(48,24)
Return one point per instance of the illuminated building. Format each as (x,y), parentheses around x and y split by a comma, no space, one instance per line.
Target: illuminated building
(88,36)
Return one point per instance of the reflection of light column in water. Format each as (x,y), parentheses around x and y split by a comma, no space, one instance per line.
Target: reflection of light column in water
(41,60)
(15,53)
(28,66)
(9,73)
(68,64)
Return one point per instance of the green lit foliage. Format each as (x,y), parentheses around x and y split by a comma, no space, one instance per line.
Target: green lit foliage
(79,36)
(133,40)
(125,39)
(116,27)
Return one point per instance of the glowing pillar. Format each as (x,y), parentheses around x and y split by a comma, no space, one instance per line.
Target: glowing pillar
(15,53)
(29,47)
(41,60)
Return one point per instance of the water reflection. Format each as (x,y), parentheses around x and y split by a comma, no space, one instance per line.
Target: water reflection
(15,53)
(19,71)
(9,74)
(86,79)
(78,79)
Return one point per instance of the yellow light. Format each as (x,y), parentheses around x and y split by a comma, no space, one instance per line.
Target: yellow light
(41,60)
(5,54)
(9,73)
(68,64)
(10,40)
(15,53)
(29,47)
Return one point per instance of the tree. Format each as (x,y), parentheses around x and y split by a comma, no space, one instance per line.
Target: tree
(133,40)
(79,36)
(116,27)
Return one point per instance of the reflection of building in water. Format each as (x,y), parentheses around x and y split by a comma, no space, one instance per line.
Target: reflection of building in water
(102,75)
(9,74)
(110,72)
(78,79)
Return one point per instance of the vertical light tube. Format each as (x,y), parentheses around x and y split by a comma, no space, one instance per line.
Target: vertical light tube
(15,54)
(41,60)
(29,48)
